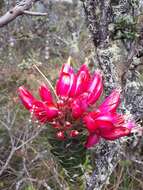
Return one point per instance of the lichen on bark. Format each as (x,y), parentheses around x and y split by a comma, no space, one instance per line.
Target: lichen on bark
(116,56)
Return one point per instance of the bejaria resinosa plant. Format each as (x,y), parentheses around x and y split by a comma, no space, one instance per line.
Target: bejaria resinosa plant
(73,110)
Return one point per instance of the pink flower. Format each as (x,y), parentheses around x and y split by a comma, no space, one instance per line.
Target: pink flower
(75,94)
(106,122)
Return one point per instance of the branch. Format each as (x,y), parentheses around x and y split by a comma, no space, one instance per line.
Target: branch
(22,140)
(18,10)
(4,167)
(34,13)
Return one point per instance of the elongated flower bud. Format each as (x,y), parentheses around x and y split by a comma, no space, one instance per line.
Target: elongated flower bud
(95,88)
(45,93)
(116,133)
(111,103)
(81,81)
(65,81)
(26,97)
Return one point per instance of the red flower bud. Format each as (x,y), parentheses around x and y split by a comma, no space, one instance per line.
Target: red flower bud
(68,125)
(56,125)
(116,133)
(60,103)
(60,135)
(81,81)
(74,133)
(95,88)
(65,81)
(45,93)
(26,97)
(111,103)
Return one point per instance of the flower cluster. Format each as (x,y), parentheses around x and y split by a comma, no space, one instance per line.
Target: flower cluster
(76,94)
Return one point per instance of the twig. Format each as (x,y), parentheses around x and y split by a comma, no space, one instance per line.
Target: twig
(18,10)
(34,13)
(14,146)
(119,179)
(54,171)
(28,140)
(7,161)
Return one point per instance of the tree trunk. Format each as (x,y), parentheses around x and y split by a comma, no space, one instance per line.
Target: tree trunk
(116,31)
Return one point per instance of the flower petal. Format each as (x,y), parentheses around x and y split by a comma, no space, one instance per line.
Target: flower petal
(65,81)
(95,88)
(116,133)
(45,93)
(26,97)
(92,139)
(82,80)
(111,103)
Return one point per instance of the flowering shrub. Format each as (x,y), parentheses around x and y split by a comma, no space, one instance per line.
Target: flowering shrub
(73,111)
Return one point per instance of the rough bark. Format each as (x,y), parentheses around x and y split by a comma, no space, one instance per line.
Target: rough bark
(118,59)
